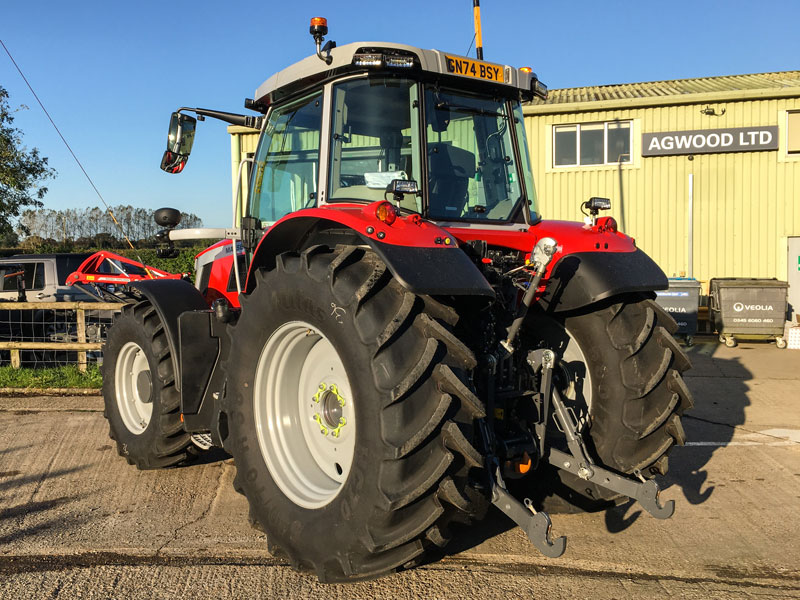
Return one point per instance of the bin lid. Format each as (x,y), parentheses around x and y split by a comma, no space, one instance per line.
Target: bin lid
(745,282)
(683,282)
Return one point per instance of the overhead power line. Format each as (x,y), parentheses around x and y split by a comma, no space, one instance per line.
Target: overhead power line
(63,139)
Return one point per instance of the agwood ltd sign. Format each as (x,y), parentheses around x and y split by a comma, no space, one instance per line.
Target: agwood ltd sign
(707,141)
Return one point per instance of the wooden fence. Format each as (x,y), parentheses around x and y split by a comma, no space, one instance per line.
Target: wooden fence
(80,345)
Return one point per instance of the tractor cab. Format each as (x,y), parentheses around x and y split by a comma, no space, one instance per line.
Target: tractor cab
(438,135)
(448,125)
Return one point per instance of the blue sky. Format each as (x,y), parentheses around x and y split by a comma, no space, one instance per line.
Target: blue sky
(110,73)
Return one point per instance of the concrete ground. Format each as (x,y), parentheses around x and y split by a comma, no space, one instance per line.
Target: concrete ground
(77,522)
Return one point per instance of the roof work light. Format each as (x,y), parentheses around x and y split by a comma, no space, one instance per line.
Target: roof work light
(383,59)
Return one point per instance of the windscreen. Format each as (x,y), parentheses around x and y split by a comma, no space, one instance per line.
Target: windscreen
(472,167)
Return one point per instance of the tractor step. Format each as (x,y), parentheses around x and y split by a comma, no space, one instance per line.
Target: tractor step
(202,440)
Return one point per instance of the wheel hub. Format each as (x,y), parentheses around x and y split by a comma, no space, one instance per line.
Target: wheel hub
(331,404)
(144,386)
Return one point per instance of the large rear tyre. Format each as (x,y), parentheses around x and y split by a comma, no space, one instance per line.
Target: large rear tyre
(348,424)
(142,405)
(621,367)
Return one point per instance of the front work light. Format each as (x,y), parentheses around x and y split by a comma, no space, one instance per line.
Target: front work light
(400,62)
(368,60)
(538,88)
(402,186)
(594,205)
(399,187)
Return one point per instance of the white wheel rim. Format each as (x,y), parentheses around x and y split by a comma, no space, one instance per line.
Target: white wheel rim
(133,385)
(304,414)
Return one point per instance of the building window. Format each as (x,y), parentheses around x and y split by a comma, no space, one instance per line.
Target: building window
(793,129)
(588,144)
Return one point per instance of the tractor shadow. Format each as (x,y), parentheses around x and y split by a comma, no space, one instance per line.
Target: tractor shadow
(40,518)
(720,390)
(19,521)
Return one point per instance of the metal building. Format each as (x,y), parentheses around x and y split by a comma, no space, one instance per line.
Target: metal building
(704,173)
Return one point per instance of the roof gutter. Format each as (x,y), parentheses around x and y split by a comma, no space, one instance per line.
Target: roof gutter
(650,101)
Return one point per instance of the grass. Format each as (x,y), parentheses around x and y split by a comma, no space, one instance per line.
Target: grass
(57,377)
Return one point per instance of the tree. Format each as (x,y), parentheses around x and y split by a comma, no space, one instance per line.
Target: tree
(93,226)
(21,171)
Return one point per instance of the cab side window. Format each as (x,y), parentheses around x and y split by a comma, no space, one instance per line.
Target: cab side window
(287,161)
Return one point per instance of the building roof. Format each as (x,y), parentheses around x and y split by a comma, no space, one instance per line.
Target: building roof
(676,91)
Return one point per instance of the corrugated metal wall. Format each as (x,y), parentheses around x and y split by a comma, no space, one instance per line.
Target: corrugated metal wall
(745,203)
(243,142)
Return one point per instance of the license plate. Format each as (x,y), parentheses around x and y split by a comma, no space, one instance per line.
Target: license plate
(474,68)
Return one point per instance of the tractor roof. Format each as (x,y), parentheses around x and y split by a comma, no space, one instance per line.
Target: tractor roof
(467,72)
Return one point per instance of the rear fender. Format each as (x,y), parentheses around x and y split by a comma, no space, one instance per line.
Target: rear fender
(583,278)
(422,257)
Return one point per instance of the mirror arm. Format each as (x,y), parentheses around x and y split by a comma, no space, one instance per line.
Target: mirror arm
(234,119)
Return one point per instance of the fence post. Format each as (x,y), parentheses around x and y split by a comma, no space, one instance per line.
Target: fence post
(15,362)
(82,339)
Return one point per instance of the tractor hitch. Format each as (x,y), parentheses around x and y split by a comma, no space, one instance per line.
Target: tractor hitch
(577,461)
(537,525)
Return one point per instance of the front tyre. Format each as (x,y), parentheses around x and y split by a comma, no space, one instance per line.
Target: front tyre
(142,405)
(348,425)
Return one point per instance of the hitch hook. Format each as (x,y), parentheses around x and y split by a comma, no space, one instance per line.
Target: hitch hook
(536,525)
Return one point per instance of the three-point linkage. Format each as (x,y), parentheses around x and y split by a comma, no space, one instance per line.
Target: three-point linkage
(537,525)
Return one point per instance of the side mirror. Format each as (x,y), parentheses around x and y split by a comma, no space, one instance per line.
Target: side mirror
(179,142)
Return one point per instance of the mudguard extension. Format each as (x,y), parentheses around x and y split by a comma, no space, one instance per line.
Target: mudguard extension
(584,278)
(171,298)
(433,271)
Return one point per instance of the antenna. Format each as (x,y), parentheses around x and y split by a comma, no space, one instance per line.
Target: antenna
(476,11)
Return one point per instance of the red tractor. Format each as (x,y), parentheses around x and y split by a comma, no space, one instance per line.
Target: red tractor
(402,340)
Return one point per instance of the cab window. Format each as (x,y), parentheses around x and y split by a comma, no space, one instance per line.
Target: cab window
(286,164)
(472,171)
(375,139)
